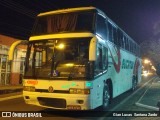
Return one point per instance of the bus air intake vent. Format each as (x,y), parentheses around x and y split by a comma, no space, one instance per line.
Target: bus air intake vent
(55,91)
(52,102)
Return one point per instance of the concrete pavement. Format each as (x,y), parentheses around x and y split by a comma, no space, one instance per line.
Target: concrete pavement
(151,96)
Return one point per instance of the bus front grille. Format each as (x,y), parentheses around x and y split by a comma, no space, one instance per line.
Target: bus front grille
(52,102)
(55,91)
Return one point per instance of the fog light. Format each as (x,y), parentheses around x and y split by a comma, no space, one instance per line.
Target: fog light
(80,101)
(27,97)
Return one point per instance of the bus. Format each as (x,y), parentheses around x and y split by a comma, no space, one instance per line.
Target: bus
(79,59)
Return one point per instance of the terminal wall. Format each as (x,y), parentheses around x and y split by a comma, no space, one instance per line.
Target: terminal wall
(11,71)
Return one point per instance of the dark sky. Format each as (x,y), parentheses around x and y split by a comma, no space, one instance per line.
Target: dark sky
(136,17)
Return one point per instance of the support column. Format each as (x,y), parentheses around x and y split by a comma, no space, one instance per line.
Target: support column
(15,65)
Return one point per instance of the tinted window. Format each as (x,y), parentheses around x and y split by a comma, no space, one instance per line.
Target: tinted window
(64,22)
(110,31)
(115,36)
(105,58)
(98,62)
(101,27)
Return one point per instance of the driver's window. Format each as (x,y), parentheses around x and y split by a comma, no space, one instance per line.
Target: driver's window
(98,62)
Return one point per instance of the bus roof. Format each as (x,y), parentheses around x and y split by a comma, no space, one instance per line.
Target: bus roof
(67,10)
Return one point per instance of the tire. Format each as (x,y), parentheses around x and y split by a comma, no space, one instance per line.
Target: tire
(106,98)
(134,83)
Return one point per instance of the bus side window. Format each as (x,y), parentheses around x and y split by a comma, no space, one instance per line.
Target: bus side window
(115,36)
(119,37)
(98,62)
(136,49)
(110,31)
(101,28)
(130,45)
(105,58)
(126,43)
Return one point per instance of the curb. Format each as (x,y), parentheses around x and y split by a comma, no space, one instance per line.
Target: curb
(6,91)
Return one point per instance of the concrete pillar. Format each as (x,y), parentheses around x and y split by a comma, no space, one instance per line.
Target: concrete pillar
(15,63)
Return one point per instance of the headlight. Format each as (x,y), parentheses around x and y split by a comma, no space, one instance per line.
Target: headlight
(29,88)
(79,91)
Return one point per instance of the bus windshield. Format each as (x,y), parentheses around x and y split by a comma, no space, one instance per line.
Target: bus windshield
(57,59)
(64,22)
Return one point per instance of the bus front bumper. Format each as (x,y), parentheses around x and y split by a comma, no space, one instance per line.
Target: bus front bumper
(58,101)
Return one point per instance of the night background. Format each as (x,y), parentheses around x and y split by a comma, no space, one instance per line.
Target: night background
(140,19)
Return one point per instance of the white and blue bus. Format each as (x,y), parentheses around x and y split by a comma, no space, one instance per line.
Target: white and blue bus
(79,59)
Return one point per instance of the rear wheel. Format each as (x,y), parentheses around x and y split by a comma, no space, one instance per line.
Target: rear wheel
(106,97)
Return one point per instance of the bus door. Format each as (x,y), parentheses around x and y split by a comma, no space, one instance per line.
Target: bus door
(101,67)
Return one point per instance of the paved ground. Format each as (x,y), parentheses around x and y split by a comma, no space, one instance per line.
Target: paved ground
(144,100)
(151,96)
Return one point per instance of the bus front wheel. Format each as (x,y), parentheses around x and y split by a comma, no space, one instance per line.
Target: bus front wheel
(106,97)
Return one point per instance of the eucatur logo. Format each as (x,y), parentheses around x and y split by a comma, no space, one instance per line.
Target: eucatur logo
(50,89)
(33,82)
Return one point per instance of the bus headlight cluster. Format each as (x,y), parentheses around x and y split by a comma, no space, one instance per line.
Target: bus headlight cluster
(29,88)
(79,91)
